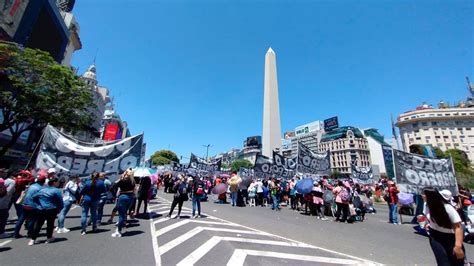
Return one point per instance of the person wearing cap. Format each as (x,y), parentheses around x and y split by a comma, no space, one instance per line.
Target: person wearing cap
(29,206)
(445,229)
(51,174)
(393,202)
(49,202)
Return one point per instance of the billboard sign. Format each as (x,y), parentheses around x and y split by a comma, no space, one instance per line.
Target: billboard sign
(111,131)
(331,123)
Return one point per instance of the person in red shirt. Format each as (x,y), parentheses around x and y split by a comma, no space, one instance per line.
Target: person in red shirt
(393,202)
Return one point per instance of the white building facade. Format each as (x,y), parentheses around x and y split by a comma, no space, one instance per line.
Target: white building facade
(445,128)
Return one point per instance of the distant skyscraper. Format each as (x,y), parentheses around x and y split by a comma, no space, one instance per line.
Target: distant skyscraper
(66,5)
(271,136)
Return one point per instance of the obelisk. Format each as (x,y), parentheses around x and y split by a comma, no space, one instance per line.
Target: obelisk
(271,137)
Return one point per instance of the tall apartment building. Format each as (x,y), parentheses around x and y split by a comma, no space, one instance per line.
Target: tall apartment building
(443,127)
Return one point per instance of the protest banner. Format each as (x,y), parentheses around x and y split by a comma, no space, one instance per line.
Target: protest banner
(70,156)
(310,162)
(362,175)
(415,172)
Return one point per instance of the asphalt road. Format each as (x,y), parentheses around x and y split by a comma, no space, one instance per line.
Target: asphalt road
(228,235)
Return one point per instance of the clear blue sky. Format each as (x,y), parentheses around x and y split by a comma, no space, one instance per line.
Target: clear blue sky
(189,73)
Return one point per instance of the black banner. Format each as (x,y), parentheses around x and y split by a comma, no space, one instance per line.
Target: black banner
(265,167)
(310,162)
(203,165)
(415,172)
(72,157)
(362,175)
(287,163)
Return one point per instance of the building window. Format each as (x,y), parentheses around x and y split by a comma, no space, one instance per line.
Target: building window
(414,125)
(434,123)
(418,138)
(424,124)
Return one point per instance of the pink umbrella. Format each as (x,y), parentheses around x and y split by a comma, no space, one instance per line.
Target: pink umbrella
(219,189)
(154,178)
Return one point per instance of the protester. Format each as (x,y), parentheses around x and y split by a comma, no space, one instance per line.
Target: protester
(126,184)
(252,193)
(342,201)
(70,193)
(234,183)
(392,202)
(49,202)
(197,191)
(143,194)
(103,198)
(7,189)
(91,192)
(180,196)
(292,194)
(24,179)
(446,233)
(318,200)
(29,206)
(274,191)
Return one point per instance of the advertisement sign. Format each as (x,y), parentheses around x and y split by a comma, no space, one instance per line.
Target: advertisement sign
(111,131)
(11,14)
(308,128)
(331,123)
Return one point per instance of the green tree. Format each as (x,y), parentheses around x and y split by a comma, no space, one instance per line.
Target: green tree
(35,91)
(416,149)
(163,157)
(462,166)
(235,165)
(438,152)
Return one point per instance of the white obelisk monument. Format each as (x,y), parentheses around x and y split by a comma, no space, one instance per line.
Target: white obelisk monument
(271,138)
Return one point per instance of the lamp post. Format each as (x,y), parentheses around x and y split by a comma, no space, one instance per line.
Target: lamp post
(207,150)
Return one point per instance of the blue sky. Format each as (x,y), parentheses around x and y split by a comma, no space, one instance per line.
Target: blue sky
(189,73)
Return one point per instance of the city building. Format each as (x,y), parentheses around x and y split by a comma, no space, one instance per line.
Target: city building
(34,24)
(74,42)
(377,146)
(252,147)
(445,127)
(66,5)
(101,99)
(307,134)
(346,145)
(271,107)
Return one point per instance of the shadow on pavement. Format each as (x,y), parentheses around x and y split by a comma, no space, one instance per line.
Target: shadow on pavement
(5,249)
(132,233)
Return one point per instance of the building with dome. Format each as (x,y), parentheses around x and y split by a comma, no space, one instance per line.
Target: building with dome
(101,99)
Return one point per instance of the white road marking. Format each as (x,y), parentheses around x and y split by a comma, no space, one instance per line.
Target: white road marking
(184,222)
(4,243)
(197,254)
(177,241)
(154,237)
(239,255)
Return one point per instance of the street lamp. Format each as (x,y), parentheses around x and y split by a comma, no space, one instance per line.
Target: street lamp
(207,150)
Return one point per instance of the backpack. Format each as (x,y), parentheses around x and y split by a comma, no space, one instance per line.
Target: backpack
(3,190)
(199,190)
(386,196)
(345,195)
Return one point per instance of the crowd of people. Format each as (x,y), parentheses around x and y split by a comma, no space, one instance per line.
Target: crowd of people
(41,198)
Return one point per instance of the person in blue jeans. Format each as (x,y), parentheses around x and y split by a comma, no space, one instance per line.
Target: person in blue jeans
(91,192)
(126,184)
(103,198)
(197,192)
(69,197)
(393,202)
(29,212)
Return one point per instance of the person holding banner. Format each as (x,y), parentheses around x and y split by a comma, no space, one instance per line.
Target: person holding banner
(445,229)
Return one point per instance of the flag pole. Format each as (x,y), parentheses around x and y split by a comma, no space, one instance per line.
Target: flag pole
(36,148)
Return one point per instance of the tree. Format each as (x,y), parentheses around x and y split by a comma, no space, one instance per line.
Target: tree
(163,157)
(462,166)
(36,91)
(235,165)
(416,149)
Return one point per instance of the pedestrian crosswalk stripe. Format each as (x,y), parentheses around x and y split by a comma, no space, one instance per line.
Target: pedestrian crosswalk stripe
(239,255)
(4,243)
(197,254)
(177,241)
(183,222)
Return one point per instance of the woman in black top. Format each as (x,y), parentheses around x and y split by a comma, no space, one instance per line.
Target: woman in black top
(143,192)
(126,184)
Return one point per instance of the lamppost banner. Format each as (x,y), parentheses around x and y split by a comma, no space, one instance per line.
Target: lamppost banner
(415,172)
(73,157)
